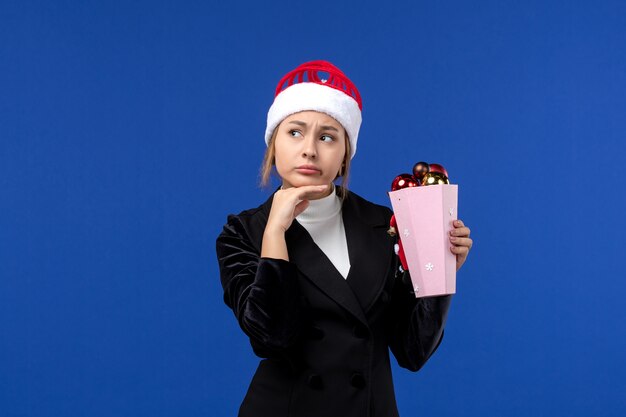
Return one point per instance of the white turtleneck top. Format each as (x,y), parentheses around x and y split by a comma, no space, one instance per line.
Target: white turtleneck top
(322,219)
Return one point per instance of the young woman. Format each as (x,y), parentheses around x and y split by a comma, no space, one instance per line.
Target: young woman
(311,274)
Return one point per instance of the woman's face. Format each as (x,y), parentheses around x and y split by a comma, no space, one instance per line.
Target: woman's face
(309,149)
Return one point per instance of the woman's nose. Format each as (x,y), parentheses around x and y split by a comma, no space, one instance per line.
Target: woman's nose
(309,148)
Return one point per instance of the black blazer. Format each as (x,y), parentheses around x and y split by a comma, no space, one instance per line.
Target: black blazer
(325,340)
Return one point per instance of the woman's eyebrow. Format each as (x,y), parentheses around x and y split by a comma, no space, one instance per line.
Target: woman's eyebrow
(323,127)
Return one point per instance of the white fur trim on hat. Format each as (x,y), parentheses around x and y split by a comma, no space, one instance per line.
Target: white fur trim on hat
(312,96)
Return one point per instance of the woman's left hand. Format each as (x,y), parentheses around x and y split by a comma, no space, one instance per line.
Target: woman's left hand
(461,242)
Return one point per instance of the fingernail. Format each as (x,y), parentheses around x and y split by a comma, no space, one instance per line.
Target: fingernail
(452,238)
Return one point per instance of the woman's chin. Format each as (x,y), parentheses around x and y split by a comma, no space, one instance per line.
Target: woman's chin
(301,182)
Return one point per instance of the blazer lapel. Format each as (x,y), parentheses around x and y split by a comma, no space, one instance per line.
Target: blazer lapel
(370,249)
(319,270)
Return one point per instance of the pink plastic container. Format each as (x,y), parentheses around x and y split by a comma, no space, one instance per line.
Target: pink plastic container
(424,216)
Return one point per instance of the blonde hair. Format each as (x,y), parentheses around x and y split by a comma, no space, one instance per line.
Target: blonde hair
(269,162)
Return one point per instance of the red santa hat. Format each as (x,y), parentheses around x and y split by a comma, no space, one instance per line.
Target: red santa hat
(304,89)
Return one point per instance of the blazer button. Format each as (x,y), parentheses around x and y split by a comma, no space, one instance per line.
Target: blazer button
(357,381)
(360,332)
(315,382)
(384,297)
(315,333)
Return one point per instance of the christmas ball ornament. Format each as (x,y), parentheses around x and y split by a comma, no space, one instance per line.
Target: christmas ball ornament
(403,181)
(393,226)
(435,178)
(438,168)
(402,256)
(420,169)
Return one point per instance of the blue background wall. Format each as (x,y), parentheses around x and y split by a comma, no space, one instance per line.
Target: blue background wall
(129,130)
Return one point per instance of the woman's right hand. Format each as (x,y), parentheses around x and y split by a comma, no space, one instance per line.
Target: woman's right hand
(286,206)
(289,203)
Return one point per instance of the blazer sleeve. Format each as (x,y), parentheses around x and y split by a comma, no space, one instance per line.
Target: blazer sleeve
(417,324)
(262,292)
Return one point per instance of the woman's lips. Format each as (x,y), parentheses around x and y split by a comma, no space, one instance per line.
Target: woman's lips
(308,170)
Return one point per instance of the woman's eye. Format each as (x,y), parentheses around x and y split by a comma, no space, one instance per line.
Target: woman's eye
(295,133)
(327,138)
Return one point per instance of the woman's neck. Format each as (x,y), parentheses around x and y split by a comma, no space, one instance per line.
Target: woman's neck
(321,209)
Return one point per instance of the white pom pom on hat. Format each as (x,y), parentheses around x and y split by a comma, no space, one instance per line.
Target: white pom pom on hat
(303,89)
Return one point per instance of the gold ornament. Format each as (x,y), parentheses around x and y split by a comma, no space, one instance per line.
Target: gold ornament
(435,178)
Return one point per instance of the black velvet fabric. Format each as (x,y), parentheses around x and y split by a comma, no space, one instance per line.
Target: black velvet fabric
(324,339)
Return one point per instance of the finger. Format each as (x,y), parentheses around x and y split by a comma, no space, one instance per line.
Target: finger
(459,250)
(308,191)
(458,223)
(300,207)
(462,231)
(461,241)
